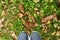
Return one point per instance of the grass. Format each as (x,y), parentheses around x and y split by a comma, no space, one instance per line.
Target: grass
(14,23)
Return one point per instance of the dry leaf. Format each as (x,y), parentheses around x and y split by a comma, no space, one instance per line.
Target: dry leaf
(46,0)
(55,19)
(13,35)
(10,24)
(3,13)
(21,7)
(57,33)
(47,38)
(2,2)
(58,39)
(48,18)
(58,27)
(53,33)
(58,0)
(36,9)
(29,24)
(55,25)
(10,1)
(44,27)
(31,17)
(38,13)
(51,0)
(20,15)
(48,22)
(13,7)
(36,1)
(2,21)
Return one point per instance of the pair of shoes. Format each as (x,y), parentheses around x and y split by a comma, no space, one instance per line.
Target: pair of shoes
(34,36)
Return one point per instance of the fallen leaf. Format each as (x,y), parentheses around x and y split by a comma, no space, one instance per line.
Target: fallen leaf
(36,1)
(31,17)
(10,1)
(57,33)
(13,35)
(46,0)
(44,27)
(10,24)
(3,13)
(21,7)
(35,8)
(55,19)
(13,7)
(2,2)
(51,0)
(48,18)
(29,24)
(20,15)
(53,33)
(1,22)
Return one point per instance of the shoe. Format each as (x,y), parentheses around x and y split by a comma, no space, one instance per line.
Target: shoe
(35,36)
(23,36)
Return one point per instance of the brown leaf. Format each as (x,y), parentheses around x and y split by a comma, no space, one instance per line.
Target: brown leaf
(44,27)
(21,7)
(2,20)
(31,17)
(29,24)
(3,13)
(36,1)
(20,15)
(57,33)
(13,35)
(10,24)
(51,0)
(48,18)
(2,2)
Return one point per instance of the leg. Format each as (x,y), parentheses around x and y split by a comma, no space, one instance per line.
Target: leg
(35,36)
(23,36)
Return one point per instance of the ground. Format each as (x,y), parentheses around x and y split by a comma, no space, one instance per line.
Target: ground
(30,15)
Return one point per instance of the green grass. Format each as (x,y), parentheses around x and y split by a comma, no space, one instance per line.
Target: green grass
(47,8)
